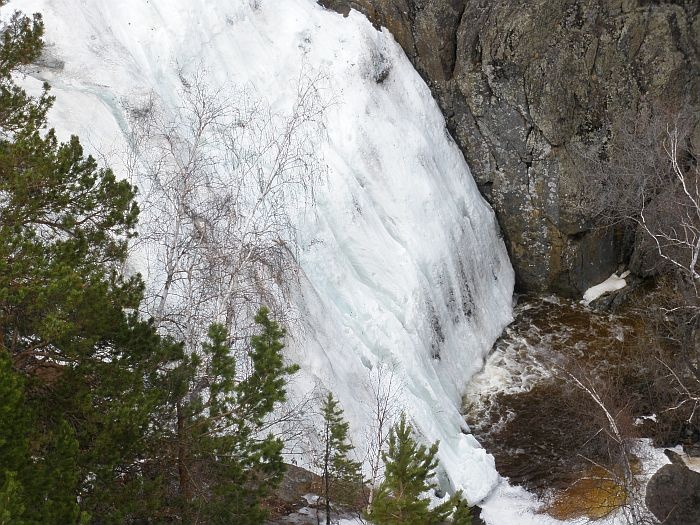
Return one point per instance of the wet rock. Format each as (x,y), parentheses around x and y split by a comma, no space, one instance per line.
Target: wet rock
(673,494)
(693,450)
(296,483)
(523,83)
(288,500)
(476,516)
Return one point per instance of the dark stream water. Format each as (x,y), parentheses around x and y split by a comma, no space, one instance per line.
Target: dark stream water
(516,406)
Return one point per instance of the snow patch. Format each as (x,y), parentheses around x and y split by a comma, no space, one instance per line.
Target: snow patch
(611,284)
(640,420)
(513,505)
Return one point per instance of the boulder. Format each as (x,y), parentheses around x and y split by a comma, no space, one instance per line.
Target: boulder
(673,494)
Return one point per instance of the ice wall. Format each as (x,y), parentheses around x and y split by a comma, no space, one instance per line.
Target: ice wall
(401,258)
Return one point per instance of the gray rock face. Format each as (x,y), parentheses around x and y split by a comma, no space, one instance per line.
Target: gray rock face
(522,83)
(673,495)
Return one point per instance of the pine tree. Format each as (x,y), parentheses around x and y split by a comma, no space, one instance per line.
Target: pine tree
(77,365)
(401,498)
(14,447)
(11,501)
(462,514)
(341,475)
(224,466)
(265,387)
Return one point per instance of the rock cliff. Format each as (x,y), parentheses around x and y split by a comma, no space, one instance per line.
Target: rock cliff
(523,84)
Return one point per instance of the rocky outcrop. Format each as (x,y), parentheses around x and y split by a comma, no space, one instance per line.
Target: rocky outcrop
(523,84)
(673,494)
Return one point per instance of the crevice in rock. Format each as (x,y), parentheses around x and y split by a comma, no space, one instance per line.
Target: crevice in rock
(455,39)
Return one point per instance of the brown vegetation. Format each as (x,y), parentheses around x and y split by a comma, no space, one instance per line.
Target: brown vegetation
(575,429)
(594,495)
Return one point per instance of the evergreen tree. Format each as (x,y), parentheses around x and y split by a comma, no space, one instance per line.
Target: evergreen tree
(341,475)
(401,498)
(224,466)
(14,447)
(11,506)
(78,369)
(462,514)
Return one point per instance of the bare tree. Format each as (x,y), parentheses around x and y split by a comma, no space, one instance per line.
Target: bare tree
(687,401)
(620,445)
(221,176)
(647,178)
(386,391)
(648,181)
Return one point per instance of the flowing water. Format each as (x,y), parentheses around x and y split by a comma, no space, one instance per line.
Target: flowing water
(519,408)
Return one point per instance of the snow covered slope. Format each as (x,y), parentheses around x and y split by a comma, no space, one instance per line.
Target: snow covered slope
(401,258)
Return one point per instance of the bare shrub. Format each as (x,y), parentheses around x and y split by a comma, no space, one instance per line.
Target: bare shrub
(647,176)
(613,480)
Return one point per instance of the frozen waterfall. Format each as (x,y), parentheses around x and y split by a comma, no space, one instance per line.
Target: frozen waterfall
(401,259)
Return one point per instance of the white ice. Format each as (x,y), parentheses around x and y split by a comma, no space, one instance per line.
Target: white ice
(401,258)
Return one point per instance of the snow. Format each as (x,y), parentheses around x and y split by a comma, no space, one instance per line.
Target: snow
(511,505)
(640,420)
(401,258)
(611,284)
